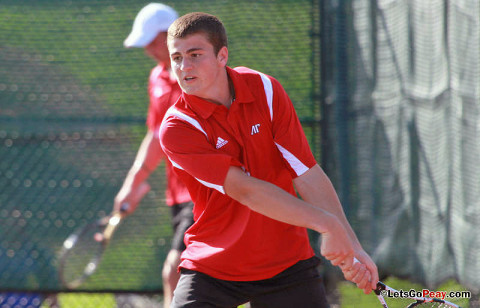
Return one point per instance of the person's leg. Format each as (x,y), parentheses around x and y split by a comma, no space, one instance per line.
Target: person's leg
(197,290)
(170,276)
(182,219)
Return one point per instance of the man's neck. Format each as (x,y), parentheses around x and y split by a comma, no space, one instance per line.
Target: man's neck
(224,92)
(229,94)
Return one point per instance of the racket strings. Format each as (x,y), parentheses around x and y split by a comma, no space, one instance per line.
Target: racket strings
(83,256)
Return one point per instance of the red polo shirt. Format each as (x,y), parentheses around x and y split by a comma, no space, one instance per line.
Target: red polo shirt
(164,92)
(260,133)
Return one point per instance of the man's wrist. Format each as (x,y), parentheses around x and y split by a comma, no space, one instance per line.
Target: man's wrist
(331,224)
(142,167)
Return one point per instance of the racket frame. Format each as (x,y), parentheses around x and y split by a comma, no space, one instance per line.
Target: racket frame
(110,224)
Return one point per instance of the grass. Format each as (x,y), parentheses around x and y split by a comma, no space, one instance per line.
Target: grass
(89,300)
(86,300)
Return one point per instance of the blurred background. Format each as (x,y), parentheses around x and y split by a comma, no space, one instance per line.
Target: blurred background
(388,92)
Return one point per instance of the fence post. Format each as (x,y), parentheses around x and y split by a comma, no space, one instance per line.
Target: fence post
(341,102)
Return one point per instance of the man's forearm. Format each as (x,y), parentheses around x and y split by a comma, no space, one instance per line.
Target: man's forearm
(274,202)
(147,159)
(316,188)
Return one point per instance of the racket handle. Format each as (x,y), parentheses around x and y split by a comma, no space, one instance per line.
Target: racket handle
(135,198)
(124,207)
(111,226)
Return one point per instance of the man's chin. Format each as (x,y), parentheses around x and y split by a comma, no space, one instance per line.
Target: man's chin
(188,90)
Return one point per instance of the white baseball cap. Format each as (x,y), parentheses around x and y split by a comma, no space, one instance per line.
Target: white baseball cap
(151,20)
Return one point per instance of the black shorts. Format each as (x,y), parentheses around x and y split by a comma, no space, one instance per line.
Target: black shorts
(298,286)
(182,219)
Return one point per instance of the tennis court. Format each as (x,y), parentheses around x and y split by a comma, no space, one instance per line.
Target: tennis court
(388,93)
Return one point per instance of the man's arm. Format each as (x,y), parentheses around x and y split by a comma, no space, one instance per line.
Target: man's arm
(315,187)
(272,201)
(146,161)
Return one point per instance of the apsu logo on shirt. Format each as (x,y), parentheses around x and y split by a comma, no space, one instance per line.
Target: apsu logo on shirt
(255,129)
(221,142)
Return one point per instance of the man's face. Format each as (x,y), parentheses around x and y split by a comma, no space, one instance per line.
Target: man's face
(196,66)
(157,49)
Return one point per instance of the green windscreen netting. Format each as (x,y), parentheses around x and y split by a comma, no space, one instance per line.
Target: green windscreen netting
(403,132)
(73,103)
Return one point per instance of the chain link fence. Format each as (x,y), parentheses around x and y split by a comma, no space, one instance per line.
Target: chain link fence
(73,103)
(395,84)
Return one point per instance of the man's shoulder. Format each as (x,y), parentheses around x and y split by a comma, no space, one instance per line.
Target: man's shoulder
(181,111)
(160,75)
(247,73)
(179,120)
(252,76)
(156,72)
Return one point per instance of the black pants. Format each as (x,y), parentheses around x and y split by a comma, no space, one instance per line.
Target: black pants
(182,219)
(297,286)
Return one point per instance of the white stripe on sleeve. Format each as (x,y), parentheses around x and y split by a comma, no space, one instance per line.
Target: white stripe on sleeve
(214,186)
(208,184)
(186,118)
(294,162)
(192,121)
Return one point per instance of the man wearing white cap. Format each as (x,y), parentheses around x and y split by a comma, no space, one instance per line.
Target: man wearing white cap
(150,32)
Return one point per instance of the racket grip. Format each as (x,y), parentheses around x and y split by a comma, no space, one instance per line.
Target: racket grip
(124,207)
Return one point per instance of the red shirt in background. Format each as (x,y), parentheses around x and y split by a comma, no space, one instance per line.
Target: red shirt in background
(164,92)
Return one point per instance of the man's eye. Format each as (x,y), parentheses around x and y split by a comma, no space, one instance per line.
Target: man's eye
(177,59)
(195,55)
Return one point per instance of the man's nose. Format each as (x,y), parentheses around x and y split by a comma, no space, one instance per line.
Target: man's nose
(186,64)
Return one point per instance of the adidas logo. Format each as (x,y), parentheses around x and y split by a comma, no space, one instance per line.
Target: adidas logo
(221,142)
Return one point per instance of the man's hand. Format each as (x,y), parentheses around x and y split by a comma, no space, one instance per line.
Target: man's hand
(337,247)
(131,196)
(336,244)
(363,273)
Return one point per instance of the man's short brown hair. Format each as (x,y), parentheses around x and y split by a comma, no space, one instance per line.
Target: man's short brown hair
(198,22)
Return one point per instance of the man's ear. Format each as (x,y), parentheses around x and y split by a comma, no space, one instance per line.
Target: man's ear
(222,56)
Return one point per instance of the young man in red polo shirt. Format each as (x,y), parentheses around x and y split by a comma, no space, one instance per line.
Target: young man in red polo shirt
(235,140)
(150,32)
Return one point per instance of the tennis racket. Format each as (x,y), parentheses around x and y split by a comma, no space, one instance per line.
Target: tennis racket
(82,251)
(405,298)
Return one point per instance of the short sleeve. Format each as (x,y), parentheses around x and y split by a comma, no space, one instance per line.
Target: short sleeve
(288,133)
(189,150)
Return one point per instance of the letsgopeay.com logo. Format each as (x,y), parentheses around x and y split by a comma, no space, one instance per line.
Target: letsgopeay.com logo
(426,293)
